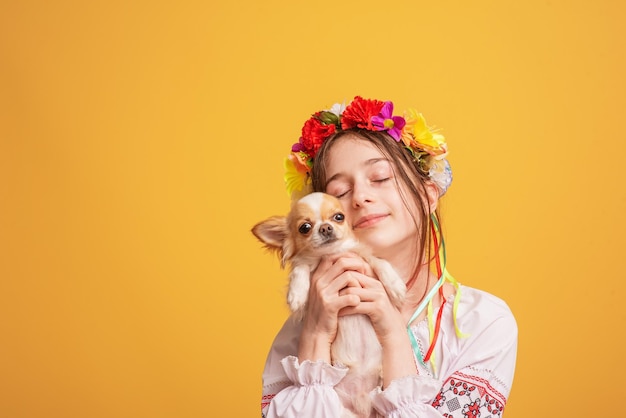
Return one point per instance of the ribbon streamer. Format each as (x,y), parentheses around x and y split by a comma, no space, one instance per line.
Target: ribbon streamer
(443,275)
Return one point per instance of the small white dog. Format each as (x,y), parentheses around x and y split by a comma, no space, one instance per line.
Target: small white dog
(315,227)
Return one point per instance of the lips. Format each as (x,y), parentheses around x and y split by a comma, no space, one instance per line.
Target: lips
(369,220)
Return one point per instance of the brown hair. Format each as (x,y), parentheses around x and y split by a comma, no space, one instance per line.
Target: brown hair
(407,173)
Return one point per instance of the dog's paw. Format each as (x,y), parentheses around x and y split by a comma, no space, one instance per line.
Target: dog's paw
(296,300)
(298,287)
(396,289)
(394,285)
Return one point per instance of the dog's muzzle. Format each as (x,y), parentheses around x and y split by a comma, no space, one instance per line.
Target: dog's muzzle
(327,232)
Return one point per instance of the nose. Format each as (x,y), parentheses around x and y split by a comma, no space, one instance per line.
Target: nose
(360,195)
(326,230)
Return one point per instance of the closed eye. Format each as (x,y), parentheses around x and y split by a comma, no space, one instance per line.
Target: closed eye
(340,195)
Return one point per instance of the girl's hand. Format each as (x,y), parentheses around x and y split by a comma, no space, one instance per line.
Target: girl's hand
(327,297)
(374,302)
(388,323)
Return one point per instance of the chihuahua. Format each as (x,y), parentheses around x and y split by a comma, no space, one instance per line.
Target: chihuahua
(316,227)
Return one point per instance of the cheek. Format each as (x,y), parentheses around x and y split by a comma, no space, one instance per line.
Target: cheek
(411,217)
(351,216)
(409,206)
(344,230)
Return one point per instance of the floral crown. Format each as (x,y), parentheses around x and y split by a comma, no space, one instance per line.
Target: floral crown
(425,144)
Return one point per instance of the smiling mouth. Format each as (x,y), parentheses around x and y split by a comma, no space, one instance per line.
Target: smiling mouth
(368,220)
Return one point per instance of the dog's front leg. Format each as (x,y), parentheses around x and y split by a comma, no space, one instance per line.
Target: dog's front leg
(394,285)
(299,283)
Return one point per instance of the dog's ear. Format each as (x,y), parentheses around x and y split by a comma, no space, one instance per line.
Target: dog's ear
(272,232)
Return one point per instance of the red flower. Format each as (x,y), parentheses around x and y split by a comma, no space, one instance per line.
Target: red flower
(314,133)
(359,113)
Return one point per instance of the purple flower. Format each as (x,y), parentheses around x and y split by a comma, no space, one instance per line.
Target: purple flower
(384,121)
(298,146)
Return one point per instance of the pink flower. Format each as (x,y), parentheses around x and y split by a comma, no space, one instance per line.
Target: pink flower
(384,121)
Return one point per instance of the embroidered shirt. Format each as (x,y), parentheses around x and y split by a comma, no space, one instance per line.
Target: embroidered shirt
(472,378)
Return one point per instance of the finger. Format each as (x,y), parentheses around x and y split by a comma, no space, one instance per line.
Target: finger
(365,295)
(370,282)
(364,281)
(351,310)
(354,283)
(347,279)
(364,307)
(351,263)
(322,269)
(347,301)
(325,275)
(337,256)
(334,279)
(354,260)
(343,262)
(340,302)
(329,278)
(368,270)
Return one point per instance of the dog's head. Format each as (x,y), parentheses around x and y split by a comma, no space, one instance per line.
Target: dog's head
(315,225)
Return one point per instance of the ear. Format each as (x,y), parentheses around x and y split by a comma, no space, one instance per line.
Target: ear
(432,192)
(272,232)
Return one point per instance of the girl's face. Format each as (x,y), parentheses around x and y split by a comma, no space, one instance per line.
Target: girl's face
(363,180)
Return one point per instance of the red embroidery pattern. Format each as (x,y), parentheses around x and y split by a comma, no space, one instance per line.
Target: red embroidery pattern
(265,400)
(469,397)
(485,382)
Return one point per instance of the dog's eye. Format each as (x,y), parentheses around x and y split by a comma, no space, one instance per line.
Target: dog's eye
(339,217)
(305,228)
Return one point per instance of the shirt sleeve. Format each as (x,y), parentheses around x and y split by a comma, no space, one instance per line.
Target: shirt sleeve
(481,388)
(477,374)
(291,389)
(311,390)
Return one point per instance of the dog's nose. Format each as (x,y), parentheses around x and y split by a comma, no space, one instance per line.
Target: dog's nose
(326,230)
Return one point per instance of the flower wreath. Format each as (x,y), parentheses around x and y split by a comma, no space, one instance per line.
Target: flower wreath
(426,145)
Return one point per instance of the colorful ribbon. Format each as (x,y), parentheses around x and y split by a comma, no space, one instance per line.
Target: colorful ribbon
(443,275)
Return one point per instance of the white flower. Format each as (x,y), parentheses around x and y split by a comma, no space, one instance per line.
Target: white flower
(337,108)
(441,174)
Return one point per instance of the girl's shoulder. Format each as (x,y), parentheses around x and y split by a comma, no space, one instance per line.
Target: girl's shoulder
(477,306)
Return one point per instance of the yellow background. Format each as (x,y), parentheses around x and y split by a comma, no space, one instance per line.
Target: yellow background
(140,141)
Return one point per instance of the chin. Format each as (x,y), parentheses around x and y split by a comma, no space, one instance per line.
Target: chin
(378,241)
(385,246)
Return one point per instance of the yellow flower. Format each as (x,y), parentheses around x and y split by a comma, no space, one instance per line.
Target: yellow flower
(295,176)
(410,116)
(418,135)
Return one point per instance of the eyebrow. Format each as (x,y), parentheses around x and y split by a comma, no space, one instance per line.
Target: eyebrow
(369,162)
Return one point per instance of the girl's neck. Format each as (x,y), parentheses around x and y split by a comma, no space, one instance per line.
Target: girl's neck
(419,282)
(418,285)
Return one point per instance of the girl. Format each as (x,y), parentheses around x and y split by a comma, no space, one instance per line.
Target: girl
(450,350)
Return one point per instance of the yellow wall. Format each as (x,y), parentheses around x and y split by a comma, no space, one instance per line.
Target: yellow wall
(139,142)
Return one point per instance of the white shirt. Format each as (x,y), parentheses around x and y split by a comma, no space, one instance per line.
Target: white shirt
(473,375)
